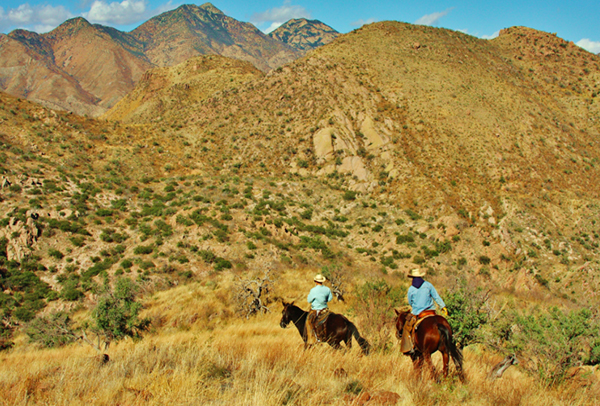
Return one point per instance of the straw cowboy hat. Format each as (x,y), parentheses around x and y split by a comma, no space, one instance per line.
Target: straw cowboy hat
(416,273)
(320,278)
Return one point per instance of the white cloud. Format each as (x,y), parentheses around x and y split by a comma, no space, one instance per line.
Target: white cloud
(432,19)
(361,22)
(33,17)
(273,27)
(279,15)
(494,35)
(588,45)
(123,13)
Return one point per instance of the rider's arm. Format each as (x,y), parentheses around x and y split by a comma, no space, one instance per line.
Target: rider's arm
(437,297)
(329,296)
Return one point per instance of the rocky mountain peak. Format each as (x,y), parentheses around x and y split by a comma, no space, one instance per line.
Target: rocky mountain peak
(304,35)
(210,7)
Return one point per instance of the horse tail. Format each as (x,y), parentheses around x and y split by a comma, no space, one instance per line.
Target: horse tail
(455,352)
(364,344)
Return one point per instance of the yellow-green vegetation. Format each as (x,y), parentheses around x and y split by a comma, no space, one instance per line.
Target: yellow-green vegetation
(395,146)
(198,352)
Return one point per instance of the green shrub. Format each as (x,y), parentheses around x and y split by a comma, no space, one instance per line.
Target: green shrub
(143,250)
(419,260)
(412,215)
(55,253)
(53,330)
(466,312)
(117,313)
(126,264)
(77,241)
(207,256)
(104,213)
(349,195)
(404,238)
(221,263)
(307,214)
(554,340)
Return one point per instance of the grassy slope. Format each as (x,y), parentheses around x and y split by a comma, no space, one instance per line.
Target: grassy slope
(202,355)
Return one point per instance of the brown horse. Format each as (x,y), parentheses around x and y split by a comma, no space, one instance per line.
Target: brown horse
(433,334)
(337,327)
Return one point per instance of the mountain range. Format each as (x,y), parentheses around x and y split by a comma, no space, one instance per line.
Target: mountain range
(86,68)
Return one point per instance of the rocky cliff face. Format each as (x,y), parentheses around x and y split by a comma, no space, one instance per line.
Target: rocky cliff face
(304,35)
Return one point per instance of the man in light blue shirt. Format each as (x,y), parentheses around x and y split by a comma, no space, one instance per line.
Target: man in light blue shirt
(318,297)
(421,295)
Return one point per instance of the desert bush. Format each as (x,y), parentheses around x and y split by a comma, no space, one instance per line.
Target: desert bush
(110,235)
(116,315)
(222,263)
(404,238)
(67,226)
(412,214)
(349,195)
(552,341)
(467,312)
(374,304)
(55,253)
(143,250)
(77,241)
(53,330)
(70,292)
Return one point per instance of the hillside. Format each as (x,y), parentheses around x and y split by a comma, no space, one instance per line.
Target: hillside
(446,125)
(394,146)
(162,91)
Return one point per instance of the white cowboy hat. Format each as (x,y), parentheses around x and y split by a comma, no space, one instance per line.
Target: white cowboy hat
(416,273)
(320,278)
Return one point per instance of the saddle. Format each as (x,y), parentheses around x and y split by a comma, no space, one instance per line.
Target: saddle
(410,330)
(319,323)
(422,316)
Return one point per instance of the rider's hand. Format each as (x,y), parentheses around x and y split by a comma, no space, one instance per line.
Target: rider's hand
(445,311)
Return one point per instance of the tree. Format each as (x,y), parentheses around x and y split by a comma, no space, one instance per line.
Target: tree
(116,314)
(468,312)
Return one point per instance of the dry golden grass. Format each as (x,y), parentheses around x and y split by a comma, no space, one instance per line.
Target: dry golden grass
(247,362)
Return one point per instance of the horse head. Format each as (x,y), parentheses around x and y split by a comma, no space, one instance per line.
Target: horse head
(286,316)
(400,319)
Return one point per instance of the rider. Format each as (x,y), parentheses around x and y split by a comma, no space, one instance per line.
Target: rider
(318,297)
(421,295)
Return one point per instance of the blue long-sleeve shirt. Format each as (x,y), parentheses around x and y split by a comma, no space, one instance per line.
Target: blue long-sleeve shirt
(319,296)
(422,298)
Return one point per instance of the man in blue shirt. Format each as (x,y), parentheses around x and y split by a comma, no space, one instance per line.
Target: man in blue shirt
(421,295)
(318,298)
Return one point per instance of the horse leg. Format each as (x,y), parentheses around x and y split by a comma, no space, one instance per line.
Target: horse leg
(348,340)
(417,360)
(445,359)
(427,358)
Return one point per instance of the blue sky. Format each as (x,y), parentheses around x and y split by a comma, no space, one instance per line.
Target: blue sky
(573,20)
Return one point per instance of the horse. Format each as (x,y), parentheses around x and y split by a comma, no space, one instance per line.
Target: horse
(337,327)
(433,334)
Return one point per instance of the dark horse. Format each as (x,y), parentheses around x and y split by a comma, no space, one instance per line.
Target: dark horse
(433,334)
(337,327)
